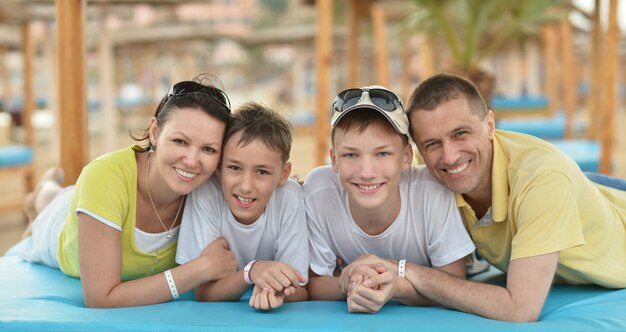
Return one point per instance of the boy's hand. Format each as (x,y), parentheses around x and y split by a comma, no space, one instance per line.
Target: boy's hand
(369,296)
(266,298)
(279,276)
(221,261)
(366,266)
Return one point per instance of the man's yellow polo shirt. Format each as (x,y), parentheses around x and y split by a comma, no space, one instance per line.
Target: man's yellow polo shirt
(542,203)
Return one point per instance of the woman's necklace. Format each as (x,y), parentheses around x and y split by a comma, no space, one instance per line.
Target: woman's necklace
(167,230)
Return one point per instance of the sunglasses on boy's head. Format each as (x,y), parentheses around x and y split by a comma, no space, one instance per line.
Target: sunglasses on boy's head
(382,98)
(185,87)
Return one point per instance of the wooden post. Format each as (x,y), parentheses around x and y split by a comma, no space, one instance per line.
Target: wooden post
(405,78)
(354,22)
(596,88)
(610,93)
(189,61)
(551,62)
(569,82)
(427,57)
(380,41)
(48,45)
(153,68)
(137,57)
(70,20)
(28,95)
(323,45)
(6,77)
(105,73)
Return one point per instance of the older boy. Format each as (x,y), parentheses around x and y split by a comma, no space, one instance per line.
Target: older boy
(256,209)
(371,201)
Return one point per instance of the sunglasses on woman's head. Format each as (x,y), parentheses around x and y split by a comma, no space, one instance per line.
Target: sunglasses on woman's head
(184,87)
(382,98)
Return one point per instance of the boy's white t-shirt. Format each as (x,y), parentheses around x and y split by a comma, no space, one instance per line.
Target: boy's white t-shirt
(280,234)
(428,231)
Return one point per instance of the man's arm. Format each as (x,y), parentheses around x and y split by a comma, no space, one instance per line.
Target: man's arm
(381,283)
(410,296)
(528,283)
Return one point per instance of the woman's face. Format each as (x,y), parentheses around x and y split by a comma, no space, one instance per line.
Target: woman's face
(188,149)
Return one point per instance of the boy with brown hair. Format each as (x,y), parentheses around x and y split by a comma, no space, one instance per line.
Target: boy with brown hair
(255,207)
(371,205)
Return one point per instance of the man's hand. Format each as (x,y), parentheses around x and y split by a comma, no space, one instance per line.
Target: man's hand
(279,276)
(220,260)
(266,298)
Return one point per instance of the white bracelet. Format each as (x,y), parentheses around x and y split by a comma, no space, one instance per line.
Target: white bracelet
(246,272)
(402,268)
(171,284)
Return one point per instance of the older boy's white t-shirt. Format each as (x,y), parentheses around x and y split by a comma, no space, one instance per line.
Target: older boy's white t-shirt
(280,233)
(428,231)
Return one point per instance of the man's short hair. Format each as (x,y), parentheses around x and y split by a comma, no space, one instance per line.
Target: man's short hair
(363,118)
(256,121)
(442,88)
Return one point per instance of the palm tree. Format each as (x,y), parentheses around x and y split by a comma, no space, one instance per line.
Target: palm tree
(473,30)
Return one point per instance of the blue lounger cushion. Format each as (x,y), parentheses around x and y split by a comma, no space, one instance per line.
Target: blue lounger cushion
(500,103)
(15,155)
(36,298)
(543,127)
(586,153)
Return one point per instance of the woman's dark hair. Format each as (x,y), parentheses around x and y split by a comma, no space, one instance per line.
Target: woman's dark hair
(202,93)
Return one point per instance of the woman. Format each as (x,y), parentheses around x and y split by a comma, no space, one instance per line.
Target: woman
(118,227)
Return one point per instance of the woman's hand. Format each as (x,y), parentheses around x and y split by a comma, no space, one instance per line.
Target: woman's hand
(220,260)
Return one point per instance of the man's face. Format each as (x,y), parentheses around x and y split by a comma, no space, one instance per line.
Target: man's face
(369,165)
(456,145)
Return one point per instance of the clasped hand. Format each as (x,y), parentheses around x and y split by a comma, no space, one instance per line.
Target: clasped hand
(368,283)
(273,281)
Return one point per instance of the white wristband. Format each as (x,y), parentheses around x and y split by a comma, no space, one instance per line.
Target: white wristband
(246,272)
(402,268)
(171,284)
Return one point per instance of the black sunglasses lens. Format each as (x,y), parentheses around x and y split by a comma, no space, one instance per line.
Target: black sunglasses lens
(191,86)
(348,98)
(186,87)
(384,99)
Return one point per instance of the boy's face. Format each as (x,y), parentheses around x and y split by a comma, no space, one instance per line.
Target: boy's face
(369,165)
(250,174)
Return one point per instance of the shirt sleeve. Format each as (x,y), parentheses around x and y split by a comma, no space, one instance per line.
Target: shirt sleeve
(546,224)
(199,226)
(104,189)
(292,244)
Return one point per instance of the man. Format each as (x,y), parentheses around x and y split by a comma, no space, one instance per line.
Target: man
(529,209)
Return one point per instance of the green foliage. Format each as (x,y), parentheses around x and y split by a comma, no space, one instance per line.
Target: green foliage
(475,29)
(275,6)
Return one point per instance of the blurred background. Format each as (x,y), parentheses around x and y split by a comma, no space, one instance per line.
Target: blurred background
(76,75)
